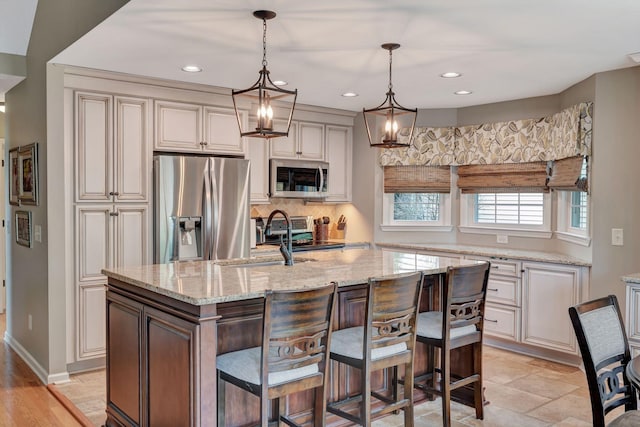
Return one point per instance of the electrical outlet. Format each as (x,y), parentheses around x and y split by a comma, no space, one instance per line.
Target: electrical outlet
(30,321)
(37,233)
(617,237)
(503,238)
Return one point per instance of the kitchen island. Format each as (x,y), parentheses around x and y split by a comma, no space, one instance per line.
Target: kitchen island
(166,324)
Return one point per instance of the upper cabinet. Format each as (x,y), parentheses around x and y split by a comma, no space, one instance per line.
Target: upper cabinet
(258,155)
(339,148)
(305,142)
(187,127)
(112,156)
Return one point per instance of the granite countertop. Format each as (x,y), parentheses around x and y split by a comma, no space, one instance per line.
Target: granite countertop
(525,255)
(209,282)
(631,278)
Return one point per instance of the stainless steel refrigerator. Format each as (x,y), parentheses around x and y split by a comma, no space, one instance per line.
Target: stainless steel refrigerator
(201,208)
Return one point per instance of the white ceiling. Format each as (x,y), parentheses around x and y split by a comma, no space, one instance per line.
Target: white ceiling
(16,21)
(505,49)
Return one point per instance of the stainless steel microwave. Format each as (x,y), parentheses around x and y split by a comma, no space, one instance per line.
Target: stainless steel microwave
(299,179)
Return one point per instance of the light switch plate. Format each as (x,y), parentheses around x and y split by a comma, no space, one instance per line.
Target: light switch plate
(502,238)
(617,237)
(37,233)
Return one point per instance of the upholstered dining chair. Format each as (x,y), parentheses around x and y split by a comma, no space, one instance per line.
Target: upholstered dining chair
(459,324)
(296,335)
(386,340)
(605,353)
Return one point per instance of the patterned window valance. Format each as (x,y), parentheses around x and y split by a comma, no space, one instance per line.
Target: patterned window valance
(561,135)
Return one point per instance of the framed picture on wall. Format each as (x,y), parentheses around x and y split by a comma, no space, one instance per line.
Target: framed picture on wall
(14,177)
(28,167)
(23,228)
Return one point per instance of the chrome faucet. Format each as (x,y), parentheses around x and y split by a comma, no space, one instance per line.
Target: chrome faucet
(286,251)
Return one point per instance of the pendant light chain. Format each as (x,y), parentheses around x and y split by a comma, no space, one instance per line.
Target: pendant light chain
(390,61)
(264,43)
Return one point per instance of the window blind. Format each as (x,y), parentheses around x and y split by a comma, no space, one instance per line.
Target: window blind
(504,178)
(417,179)
(569,174)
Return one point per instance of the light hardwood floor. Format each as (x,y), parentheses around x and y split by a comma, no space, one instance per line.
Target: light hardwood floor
(24,400)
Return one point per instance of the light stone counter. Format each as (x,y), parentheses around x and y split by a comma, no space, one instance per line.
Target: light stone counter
(631,278)
(209,282)
(538,256)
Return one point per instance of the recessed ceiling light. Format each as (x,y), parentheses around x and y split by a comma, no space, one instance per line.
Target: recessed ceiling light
(280,83)
(191,69)
(450,75)
(463,92)
(349,94)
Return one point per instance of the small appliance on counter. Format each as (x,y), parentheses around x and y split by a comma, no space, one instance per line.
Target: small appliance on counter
(302,235)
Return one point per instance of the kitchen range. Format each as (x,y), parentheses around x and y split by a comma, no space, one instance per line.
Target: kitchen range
(306,233)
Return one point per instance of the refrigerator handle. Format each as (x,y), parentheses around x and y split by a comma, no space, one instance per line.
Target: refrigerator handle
(321,179)
(207,228)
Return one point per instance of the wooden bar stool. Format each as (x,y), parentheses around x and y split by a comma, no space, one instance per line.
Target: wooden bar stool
(386,340)
(296,336)
(459,324)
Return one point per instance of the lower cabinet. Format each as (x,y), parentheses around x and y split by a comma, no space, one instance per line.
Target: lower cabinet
(501,321)
(549,290)
(106,236)
(632,314)
(160,364)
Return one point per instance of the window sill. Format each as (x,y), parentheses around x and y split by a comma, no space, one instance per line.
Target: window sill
(538,234)
(414,227)
(573,238)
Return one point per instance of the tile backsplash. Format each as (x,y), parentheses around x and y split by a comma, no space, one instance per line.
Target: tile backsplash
(295,207)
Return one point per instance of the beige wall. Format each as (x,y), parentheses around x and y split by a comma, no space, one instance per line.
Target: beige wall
(57,24)
(2,126)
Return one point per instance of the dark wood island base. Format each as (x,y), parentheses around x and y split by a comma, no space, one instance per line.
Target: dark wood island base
(161,355)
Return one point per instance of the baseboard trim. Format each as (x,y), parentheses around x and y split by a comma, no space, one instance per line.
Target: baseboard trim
(533,351)
(33,364)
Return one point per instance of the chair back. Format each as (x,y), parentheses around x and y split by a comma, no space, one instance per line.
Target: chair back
(393,307)
(296,329)
(605,353)
(464,294)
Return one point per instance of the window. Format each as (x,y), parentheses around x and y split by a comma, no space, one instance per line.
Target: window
(409,211)
(578,210)
(573,214)
(509,208)
(416,207)
(514,214)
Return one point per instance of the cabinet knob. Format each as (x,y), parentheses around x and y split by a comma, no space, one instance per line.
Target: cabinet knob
(113,213)
(204,143)
(114,193)
(298,152)
(493,289)
(491,320)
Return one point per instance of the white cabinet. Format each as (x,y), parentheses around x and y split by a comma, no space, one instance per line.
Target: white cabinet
(258,155)
(549,290)
(339,148)
(305,142)
(185,127)
(632,314)
(107,235)
(111,166)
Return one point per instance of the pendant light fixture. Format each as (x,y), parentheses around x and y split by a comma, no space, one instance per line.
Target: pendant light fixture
(266,99)
(396,117)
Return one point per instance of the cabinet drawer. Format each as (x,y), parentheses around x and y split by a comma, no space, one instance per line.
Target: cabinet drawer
(505,268)
(503,322)
(504,290)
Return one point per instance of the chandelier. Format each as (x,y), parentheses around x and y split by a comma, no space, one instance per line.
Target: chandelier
(268,100)
(397,119)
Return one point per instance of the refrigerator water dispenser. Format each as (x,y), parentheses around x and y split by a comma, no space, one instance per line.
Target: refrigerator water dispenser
(189,239)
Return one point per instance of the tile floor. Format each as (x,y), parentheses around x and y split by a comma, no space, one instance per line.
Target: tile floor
(522,391)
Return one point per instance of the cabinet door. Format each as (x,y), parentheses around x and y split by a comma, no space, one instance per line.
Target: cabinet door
(285,147)
(221,132)
(132,239)
(124,332)
(178,126)
(311,141)
(91,320)
(93,142)
(258,155)
(131,150)
(339,149)
(93,242)
(548,292)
